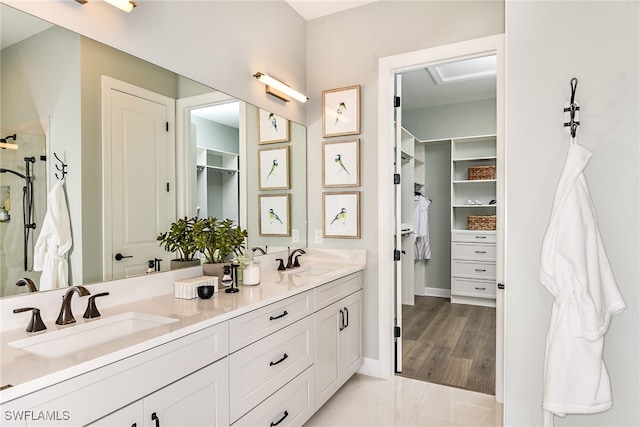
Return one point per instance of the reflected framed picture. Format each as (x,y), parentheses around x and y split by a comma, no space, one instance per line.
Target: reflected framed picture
(341,163)
(341,111)
(274,213)
(273,128)
(273,168)
(341,215)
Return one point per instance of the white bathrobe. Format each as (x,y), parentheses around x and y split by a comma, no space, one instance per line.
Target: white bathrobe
(575,269)
(54,241)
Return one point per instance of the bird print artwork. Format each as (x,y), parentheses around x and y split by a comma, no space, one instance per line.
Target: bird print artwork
(341,216)
(339,164)
(273,121)
(273,217)
(274,167)
(341,109)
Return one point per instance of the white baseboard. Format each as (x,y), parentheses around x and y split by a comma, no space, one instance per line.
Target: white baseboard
(373,368)
(437,292)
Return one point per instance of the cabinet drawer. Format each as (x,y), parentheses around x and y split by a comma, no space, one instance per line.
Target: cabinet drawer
(292,405)
(261,368)
(473,251)
(473,236)
(336,290)
(473,288)
(250,327)
(473,269)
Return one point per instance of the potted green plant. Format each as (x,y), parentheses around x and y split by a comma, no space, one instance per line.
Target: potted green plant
(180,239)
(218,240)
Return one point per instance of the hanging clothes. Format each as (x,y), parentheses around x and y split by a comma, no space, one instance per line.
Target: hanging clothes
(421,227)
(575,269)
(54,241)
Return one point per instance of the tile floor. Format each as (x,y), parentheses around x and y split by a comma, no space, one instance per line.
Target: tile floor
(368,401)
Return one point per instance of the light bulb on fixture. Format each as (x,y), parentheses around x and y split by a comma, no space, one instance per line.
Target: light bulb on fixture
(126,5)
(280,88)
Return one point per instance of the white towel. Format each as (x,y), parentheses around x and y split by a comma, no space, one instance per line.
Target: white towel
(54,241)
(575,269)
(422,247)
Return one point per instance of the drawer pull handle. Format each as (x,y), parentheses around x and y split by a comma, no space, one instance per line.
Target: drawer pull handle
(155,418)
(481,289)
(279,316)
(286,414)
(481,270)
(481,237)
(279,361)
(342,326)
(481,252)
(346,311)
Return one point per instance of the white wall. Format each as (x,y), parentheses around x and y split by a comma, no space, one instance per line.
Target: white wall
(343,50)
(548,43)
(218,43)
(453,120)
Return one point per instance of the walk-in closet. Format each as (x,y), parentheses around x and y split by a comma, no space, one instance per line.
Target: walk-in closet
(449,212)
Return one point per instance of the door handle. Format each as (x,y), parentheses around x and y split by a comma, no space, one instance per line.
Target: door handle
(346,312)
(155,418)
(120,257)
(342,326)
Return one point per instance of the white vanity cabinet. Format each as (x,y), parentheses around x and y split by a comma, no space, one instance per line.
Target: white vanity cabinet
(154,378)
(199,399)
(339,339)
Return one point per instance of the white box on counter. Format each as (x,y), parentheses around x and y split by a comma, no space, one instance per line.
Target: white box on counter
(188,288)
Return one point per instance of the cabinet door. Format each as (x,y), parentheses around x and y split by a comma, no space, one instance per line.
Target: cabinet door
(350,338)
(199,399)
(130,415)
(328,321)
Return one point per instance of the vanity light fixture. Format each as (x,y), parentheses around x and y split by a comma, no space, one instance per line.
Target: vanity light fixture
(4,142)
(126,5)
(278,89)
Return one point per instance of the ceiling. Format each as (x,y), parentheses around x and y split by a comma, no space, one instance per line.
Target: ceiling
(311,9)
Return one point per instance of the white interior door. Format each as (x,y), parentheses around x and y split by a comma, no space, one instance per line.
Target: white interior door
(398,228)
(139,177)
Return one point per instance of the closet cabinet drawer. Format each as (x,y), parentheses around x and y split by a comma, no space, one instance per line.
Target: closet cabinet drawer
(336,290)
(473,236)
(252,326)
(479,270)
(261,368)
(473,288)
(292,405)
(473,251)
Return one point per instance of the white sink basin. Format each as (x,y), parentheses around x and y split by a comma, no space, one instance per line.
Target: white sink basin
(82,336)
(312,270)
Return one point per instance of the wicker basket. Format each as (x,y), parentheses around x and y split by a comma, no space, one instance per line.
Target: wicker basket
(481,222)
(481,172)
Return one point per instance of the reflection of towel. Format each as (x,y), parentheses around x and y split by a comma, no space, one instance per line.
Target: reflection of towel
(422,247)
(575,269)
(54,241)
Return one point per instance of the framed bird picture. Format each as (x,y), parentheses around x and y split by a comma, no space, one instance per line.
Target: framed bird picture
(273,128)
(341,215)
(341,111)
(274,210)
(341,163)
(273,168)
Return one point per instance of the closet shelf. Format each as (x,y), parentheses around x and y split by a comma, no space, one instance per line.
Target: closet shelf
(475,159)
(473,181)
(473,206)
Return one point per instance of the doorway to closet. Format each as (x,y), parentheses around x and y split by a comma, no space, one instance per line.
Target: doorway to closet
(450,154)
(448,216)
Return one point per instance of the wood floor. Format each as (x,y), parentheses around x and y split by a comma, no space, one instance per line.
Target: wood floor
(450,344)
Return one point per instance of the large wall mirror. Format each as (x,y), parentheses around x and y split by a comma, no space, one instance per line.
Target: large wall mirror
(62,103)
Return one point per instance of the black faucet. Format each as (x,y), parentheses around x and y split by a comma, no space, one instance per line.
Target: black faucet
(25,281)
(66,317)
(290,262)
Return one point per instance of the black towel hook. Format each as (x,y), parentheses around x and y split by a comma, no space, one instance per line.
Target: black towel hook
(62,167)
(572,122)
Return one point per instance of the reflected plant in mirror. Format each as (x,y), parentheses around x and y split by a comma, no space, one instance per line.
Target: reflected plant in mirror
(48,72)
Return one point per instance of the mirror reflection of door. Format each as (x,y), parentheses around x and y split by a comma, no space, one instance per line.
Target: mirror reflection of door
(139,177)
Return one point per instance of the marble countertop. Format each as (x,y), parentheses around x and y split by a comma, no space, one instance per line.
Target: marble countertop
(27,372)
